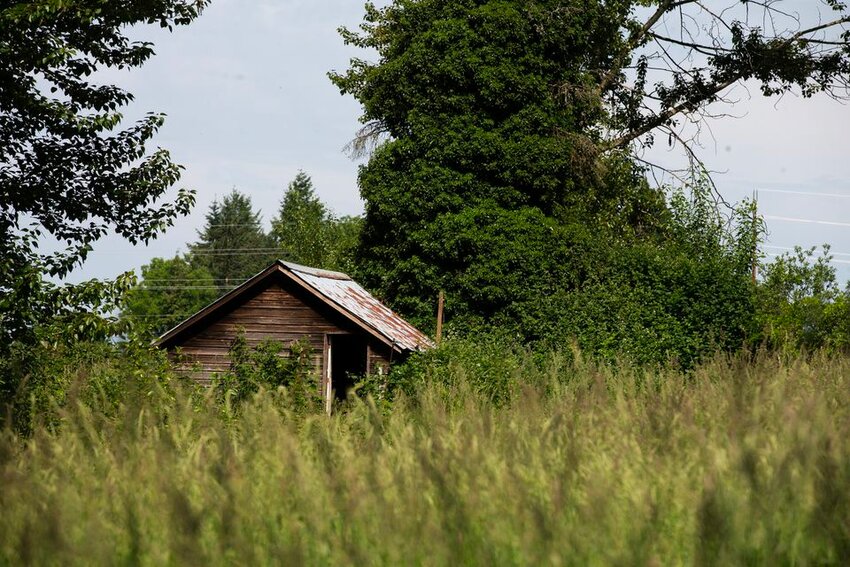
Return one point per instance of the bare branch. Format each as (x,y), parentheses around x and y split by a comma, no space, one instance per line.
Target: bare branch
(366,140)
(635,40)
(712,91)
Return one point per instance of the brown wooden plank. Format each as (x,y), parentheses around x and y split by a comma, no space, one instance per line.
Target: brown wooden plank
(272,313)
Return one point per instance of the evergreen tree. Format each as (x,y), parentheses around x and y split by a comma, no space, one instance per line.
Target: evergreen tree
(301,227)
(309,234)
(232,246)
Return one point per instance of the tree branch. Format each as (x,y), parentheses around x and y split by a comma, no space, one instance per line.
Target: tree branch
(664,117)
(634,40)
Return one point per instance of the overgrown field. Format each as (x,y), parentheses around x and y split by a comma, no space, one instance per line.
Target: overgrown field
(575,464)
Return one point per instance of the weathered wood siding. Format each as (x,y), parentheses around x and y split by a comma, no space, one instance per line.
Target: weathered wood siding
(281,311)
(379,358)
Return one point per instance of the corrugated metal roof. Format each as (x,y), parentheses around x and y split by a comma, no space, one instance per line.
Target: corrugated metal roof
(350,296)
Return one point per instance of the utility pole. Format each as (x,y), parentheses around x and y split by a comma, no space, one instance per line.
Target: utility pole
(755,235)
(440,300)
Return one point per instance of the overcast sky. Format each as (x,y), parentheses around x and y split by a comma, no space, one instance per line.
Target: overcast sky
(249,103)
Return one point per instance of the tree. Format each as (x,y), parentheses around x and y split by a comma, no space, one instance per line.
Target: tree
(69,173)
(232,245)
(345,235)
(301,225)
(66,171)
(485,170)
(505,140)
(646,88)
(801,307)
(170,291)
(642,67)
(308,233)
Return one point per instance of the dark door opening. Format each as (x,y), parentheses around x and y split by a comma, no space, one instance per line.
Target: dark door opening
(348,363)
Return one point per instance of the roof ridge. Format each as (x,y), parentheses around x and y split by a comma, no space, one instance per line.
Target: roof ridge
(318,272)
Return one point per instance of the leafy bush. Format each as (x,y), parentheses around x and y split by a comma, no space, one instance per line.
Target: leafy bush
(676,294)
(108,378)
(264,368)
(491,367)
(800,305)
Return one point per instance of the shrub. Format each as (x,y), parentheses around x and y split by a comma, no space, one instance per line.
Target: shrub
(264,368)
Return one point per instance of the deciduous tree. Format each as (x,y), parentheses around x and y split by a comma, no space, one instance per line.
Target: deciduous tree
(70,170)
(66,169)
(170,291)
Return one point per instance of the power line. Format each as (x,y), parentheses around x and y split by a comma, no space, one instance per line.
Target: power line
(225,280)
(832,260)
(183,315)
(234,225)
(176,287)
(807,221)
(270,252)
(793,249)
(260,249)
(807,193)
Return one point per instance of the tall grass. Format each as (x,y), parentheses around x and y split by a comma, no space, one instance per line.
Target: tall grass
(735,462)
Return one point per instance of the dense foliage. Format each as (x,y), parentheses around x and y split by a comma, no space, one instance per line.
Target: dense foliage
(267,368)
(733,463)
(69,174)
(67,171)
(801,307)
(503,168)
(488,182)
(578,412)
(170,291)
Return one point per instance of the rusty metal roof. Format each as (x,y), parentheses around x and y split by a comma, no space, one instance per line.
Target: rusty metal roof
(348,295)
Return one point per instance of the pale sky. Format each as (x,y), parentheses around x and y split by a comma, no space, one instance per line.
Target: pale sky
(249,103)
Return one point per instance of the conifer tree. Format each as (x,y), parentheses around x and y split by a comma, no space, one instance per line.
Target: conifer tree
(301,227)
(308,233)
(232,246)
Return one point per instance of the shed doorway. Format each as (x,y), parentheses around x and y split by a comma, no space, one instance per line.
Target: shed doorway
(347,354)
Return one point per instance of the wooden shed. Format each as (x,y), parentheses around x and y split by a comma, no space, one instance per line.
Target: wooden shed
(350,331)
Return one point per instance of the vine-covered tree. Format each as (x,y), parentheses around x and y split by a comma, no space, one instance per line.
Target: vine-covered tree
(486,168)
(506,137)
(232,246)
